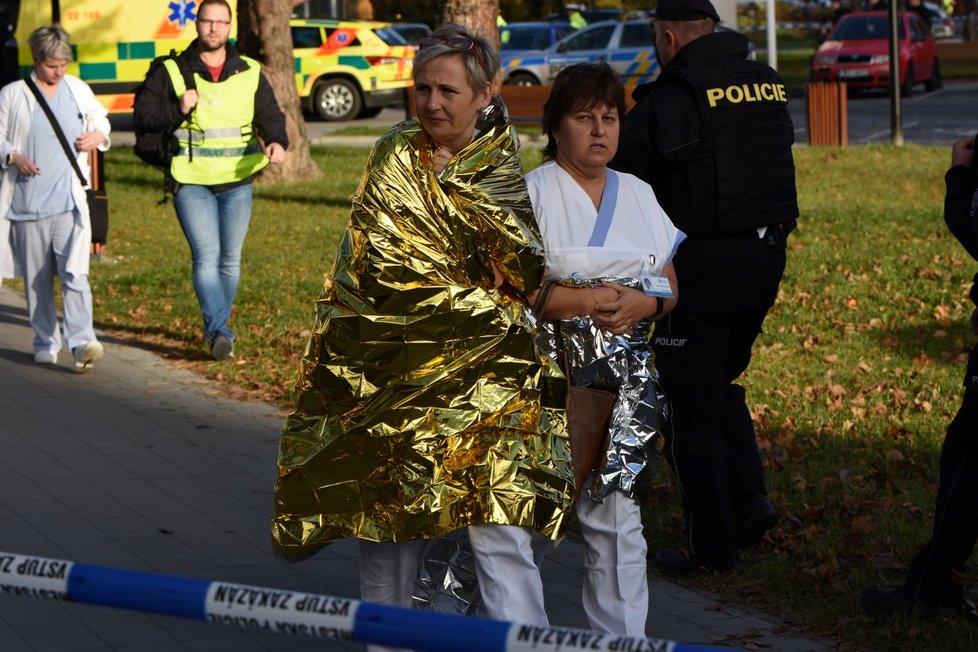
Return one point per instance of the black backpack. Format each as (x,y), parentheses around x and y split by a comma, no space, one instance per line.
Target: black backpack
(158,147)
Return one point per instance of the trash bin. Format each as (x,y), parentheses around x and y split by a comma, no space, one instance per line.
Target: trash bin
(828,122)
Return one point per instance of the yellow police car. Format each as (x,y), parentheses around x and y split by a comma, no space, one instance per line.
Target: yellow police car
(349,69)
(628,46)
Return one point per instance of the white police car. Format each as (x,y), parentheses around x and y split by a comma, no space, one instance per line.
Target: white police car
(627,46)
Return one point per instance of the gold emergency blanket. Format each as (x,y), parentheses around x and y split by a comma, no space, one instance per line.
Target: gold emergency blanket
(418,401)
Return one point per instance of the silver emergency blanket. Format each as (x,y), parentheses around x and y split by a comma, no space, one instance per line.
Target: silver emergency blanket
(624,363)
(446,581)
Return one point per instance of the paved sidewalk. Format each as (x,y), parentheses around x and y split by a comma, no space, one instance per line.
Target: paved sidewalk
(142,466)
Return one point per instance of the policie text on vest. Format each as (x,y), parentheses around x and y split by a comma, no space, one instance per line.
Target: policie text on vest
(738,93)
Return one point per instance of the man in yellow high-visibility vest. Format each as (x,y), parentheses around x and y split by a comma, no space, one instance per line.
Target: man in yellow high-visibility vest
(218,125)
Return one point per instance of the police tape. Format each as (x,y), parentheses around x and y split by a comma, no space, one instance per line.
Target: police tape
(304,614)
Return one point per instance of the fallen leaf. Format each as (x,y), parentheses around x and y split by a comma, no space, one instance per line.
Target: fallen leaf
(861,525)
(828,567)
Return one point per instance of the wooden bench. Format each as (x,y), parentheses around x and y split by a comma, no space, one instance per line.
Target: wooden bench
(525,103)
(957,51)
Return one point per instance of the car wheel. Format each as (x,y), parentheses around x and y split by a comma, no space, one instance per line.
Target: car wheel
(906,90)
(336,99)
(522,79)
(936,81)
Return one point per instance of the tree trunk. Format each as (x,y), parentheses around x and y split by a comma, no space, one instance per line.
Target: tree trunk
(263,34)
(479,16)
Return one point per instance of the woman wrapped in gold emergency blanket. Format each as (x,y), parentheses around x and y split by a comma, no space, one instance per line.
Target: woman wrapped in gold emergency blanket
(418,401)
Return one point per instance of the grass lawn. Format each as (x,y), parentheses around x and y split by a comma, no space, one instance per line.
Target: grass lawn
(852,384)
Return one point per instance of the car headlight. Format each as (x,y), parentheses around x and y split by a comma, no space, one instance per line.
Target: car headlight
(880,58)
(824,60)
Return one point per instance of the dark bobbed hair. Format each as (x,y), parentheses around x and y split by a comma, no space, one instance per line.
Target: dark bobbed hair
(580,87)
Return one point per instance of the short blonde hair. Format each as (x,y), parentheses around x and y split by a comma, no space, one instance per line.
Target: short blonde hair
(50,42)
(478,54)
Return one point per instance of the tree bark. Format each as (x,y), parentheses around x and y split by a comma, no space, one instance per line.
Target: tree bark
(263,34)
(478,16)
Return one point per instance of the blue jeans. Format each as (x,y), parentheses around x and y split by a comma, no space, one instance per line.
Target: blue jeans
(215,224)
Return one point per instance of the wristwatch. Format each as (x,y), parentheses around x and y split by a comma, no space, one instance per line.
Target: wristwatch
(10,157)
(660,305)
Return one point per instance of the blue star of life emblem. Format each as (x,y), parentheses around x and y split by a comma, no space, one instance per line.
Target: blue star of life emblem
(182,12)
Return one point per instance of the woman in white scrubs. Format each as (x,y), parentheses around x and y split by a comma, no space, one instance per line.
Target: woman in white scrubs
(605,230)
(43,203)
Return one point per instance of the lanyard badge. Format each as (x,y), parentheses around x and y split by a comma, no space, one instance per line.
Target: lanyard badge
(654,282)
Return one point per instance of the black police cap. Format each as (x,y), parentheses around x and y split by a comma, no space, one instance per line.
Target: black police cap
(685,10)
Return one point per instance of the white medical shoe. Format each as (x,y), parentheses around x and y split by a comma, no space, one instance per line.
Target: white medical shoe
(46,357)
(87,355)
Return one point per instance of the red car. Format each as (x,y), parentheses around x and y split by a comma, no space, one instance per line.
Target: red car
(857,51)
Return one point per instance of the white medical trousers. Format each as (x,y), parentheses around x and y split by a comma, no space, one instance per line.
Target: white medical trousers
(616,586)
(505,564)
(508,572)
(387,574)
(42,247)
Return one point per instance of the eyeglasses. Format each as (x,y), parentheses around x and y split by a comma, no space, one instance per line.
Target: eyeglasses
(203,22)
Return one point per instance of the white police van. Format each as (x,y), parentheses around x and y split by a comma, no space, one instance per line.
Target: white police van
(627,46)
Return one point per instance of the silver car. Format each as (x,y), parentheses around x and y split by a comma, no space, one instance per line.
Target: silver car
(627,46)
(940,23)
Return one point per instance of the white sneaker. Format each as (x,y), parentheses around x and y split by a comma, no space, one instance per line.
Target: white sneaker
(46,357)
(86,355)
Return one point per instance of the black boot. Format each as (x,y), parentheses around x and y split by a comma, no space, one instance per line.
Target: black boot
(755,516)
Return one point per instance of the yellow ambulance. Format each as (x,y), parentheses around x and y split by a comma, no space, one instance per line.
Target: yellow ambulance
(346,69)
(343,69)
(114,40)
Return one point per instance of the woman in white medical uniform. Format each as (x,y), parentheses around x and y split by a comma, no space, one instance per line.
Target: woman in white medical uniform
(605,230)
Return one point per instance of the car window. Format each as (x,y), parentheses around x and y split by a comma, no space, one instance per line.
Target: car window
(589,39)
(561,32)
(525,38)
(637,35)
(918,29)
(864,28)
(306,37)
(389,35)
(595,15)
(344,37)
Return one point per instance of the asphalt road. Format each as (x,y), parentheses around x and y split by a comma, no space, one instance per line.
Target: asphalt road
(936,118)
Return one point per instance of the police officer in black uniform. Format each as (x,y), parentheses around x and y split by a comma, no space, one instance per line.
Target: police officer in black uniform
(713,137)
(931,582)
